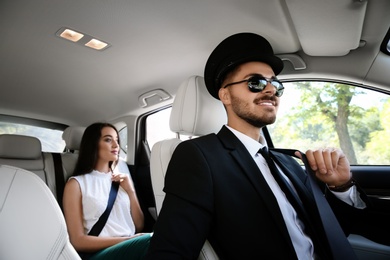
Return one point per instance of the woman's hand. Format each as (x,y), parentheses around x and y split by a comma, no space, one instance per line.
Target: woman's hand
(135,209)
(124,181)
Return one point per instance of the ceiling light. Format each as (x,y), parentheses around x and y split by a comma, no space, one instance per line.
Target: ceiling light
(71,35)
(82,39)
(96,44)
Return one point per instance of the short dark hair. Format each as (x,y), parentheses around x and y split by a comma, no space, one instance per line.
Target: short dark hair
(89,148)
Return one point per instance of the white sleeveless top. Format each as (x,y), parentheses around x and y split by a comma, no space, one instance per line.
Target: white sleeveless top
(95,189)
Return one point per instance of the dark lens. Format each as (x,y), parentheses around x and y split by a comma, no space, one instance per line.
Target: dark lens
(277,84)
(279,92)
(257,84)
(279,87)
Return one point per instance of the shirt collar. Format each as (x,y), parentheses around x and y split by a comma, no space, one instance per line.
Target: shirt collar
(250,144)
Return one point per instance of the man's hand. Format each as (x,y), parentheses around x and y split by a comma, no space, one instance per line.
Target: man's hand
(330,166)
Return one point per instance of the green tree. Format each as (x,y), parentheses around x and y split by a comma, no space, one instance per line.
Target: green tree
(332,101)
(377,149)
(318,114)
(326,116)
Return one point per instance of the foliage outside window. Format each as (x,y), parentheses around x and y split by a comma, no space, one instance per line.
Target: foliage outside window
(319,114)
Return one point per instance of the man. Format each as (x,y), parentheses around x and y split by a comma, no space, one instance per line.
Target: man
(224,188)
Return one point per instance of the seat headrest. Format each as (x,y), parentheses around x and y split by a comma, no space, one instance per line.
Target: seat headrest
(194,111)
(72,136)
(20,147)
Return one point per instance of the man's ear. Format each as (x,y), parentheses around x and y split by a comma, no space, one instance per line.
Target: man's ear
(224,96)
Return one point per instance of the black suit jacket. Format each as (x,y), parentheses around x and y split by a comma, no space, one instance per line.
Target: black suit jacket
(215,191)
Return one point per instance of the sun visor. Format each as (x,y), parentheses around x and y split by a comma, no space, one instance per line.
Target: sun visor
(328,28)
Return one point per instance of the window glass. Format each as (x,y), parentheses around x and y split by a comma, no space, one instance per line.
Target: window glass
(123,142)
(51,140)
(157,127)
(319,114)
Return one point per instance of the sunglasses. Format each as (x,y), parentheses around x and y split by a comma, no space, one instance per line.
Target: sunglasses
(258,83)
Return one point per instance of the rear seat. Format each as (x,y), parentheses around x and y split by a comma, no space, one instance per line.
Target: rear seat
(26,152)
(72,136)
(23,152)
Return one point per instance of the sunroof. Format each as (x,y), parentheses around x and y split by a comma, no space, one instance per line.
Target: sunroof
(385,46)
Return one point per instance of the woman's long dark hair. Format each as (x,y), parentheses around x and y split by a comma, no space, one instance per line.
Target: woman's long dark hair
(89,148)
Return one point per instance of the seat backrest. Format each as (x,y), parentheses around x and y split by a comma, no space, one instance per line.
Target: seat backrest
(23,152)
(26,152)
(194,113)
(28,204)
(72,136)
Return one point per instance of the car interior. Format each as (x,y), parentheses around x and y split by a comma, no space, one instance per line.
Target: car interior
(140,65)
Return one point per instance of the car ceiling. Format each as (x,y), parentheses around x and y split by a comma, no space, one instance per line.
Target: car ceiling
(156,44)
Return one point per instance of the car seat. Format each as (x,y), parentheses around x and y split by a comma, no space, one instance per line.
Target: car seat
(72,136)
(31,222)
(23,152)
(194,113)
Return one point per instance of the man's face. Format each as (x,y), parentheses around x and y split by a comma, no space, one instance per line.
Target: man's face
(242,105)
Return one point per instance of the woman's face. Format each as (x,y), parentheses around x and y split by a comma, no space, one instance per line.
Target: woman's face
(108,145)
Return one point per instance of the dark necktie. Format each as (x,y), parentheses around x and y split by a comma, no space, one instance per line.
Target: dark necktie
(291,195)
(339,245)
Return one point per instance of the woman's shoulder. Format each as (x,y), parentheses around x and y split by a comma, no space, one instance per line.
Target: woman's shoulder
(81,179)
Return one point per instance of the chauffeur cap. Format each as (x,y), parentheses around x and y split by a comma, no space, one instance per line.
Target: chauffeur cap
(233,51)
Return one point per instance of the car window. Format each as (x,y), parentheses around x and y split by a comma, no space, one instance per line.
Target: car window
(318,114)
(51,139)
(123,142)
(157,127)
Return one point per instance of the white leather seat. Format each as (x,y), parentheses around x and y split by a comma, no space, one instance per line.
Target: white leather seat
(194,113)
(31,223)
(26,152)
(23,152)
(72,136)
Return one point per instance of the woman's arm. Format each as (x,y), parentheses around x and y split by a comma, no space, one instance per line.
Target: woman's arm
(135,208)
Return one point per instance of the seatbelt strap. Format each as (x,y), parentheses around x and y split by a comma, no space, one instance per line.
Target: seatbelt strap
(339,245)
(59,175)
(98,227)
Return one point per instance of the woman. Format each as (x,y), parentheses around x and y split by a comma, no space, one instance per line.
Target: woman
(86,197)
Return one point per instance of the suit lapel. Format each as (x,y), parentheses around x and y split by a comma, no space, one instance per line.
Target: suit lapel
(250,169)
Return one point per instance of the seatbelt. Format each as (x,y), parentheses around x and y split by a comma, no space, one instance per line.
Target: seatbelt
(98,227)
(339,245)
(59,175)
